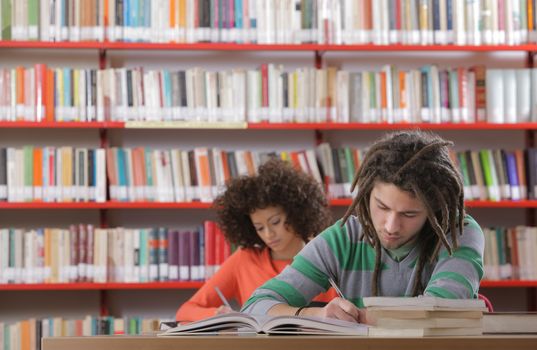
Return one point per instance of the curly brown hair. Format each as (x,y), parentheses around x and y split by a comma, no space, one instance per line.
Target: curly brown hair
(276,184)
(419,163)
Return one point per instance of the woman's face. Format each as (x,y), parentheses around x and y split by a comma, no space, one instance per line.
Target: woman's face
(270,225)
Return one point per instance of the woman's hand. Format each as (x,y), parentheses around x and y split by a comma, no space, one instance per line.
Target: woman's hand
(223,310)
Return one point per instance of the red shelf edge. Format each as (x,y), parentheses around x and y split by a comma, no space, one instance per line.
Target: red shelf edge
(63,125)
(190,285)
(391,126)
(103,286)
(340,202)
(470,203)
(106,45)
(508,283)
(105,205)
(292,126)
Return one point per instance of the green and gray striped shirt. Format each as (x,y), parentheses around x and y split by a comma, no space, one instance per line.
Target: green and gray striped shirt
(339,253)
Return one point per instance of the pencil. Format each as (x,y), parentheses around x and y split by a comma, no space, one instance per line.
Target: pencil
(334,285)
(222,297)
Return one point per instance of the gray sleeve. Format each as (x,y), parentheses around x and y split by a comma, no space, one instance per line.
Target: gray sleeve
(458,276)
(307,276)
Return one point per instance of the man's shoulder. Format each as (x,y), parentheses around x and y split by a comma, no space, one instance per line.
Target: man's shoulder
(470,223)
(350,230)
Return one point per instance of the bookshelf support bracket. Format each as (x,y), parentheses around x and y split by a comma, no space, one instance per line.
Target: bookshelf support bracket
(102,59)
(532,299)
(530,58)
(103,303)
(319,59)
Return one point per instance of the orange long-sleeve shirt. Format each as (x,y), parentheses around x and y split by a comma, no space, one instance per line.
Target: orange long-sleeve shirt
(242,273)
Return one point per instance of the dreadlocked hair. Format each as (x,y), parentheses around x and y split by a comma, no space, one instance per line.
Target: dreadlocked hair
(419,163)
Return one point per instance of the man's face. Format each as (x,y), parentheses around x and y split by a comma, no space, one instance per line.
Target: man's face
(397,215)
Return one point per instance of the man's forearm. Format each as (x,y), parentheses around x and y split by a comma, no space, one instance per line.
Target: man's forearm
(284,309)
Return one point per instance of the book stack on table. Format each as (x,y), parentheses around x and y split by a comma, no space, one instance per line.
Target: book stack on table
(424,316)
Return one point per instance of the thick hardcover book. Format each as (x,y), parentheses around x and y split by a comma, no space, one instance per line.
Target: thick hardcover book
(184,256)
(510,322)
(424,303)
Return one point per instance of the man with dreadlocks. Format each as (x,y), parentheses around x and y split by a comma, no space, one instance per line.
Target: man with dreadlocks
(409,236)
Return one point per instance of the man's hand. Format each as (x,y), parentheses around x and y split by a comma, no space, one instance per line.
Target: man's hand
(338,308)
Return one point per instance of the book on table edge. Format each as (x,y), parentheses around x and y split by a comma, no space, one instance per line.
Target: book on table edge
(510,322)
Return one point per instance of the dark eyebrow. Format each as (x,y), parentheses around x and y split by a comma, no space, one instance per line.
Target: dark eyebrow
(403,212)
(269,218)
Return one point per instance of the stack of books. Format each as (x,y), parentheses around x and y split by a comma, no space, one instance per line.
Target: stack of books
(424,316)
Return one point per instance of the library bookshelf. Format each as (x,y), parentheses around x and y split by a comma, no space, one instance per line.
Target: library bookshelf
(318,51)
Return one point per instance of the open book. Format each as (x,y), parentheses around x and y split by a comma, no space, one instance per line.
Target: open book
(244,323)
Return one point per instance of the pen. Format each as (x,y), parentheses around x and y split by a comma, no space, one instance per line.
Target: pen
(334,285)
(222,297)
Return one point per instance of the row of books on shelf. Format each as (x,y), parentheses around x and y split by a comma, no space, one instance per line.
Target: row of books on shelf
(52,174)
(488,174)
(186,175)
(27,334)
(84,253)
(67,174)
(270,93)
(273,21)
(498,174)
(510,253)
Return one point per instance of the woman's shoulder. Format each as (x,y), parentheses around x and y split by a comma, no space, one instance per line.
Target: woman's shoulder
(251,254)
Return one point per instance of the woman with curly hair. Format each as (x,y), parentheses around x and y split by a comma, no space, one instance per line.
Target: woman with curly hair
(409,236)
(270,216)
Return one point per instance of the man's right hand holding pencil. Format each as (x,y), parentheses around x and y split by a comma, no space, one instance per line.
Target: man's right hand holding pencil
(338,308)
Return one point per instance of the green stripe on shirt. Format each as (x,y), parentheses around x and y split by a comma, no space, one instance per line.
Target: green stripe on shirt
(455,277)
(468,254)
(347,252)
(440,292)
(309,270)
(338,241)
(291,295)
(359,302)
(365,260)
